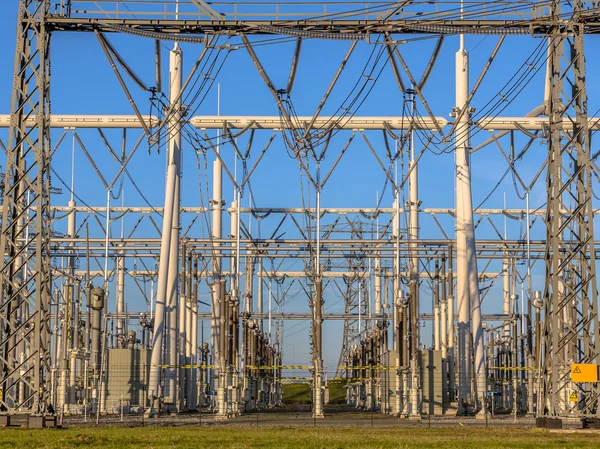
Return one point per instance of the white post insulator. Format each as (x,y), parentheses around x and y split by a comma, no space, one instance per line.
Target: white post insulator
(436,328)
(401,300)
(538,301)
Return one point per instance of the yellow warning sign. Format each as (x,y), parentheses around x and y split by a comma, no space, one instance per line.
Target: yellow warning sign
(584,372)
(573,397)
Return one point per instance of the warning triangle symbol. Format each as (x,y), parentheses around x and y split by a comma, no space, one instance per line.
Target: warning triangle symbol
(577,370)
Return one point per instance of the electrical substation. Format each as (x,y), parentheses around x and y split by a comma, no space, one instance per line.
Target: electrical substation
(206,202)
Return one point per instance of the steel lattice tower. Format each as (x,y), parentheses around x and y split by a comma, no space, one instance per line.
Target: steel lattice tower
(25,238)
(571,297)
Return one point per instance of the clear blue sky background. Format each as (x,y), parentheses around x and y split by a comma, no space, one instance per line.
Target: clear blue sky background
(83,83)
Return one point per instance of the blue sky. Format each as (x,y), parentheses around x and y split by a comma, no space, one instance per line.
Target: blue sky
(83,83)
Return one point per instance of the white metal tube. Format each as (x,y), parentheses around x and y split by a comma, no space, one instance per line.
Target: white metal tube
(238,244)
(22,386)
(107,240)
(377,273)
(318,250)
(64,361)
(87,121)
(436,328)
(401,384)
(469,307)
(217,229)
(360,311)
(413,234)
(71,221)
(219,296)
(444,328)
(462,275)
(506,295)
(547,84)
(259,293)
(377,284)
(193,399)
(161,289)
(451,352)
(477,323)
(317,350)
(171,346)
(181,338)
(71,225)
(233,233)
(163,313)
(189,386)
(528,231)
(317,312)
(234,293)
(270,309)
(120,297)
(216,317)
(75,366)
(274,122)
(249,284)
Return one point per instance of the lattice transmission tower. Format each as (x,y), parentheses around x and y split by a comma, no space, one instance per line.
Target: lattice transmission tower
(571,296)
(25,238)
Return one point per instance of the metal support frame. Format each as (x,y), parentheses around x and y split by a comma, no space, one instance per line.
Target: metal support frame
(570,309)
(571,296)
(25,276)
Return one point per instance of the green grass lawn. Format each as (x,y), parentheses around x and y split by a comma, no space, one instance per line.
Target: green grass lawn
(295,438)
(296,394)
(300,393)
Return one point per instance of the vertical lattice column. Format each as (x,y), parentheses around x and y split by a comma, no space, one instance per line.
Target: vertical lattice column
(25,238)
(571,319)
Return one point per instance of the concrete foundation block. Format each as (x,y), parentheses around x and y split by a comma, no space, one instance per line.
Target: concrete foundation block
(41,422)
(548,423)
(590,423)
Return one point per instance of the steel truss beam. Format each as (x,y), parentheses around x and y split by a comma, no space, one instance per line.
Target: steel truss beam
(275,122)
(327,19)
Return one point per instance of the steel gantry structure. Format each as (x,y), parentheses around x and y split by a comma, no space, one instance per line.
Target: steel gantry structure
(41,364)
